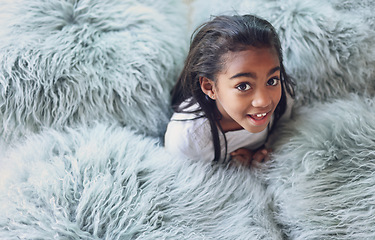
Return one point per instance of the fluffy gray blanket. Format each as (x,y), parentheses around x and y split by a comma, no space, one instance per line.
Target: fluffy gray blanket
(84,101)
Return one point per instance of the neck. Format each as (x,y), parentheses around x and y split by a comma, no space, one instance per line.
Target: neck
(227,126)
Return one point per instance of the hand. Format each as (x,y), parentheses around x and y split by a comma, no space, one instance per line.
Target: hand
(242,156)
(248,158)
(261,155)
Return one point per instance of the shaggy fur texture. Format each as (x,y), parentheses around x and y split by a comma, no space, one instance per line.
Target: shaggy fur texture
(66,64)
(106,182)
(363,8)
(69,62)
(329,53)
(322,177)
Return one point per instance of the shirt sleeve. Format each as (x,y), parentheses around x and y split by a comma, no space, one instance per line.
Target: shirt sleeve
(190,139)
(178,140)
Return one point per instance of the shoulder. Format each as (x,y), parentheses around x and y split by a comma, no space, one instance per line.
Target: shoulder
(187,134)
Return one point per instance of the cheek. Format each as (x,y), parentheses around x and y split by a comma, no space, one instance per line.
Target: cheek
(241,106)
(235,105)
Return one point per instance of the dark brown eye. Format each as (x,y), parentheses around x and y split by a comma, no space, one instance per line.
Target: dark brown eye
(273,82)
(243,86)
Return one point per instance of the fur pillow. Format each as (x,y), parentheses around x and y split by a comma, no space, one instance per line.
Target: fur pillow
(322,176)
(69,62)
(328,52)
(362,8)
(106,182)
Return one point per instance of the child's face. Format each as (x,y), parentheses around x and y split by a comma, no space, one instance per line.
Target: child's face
(248,89)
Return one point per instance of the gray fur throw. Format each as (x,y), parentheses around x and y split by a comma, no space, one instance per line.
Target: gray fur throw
(70,62)
(84,101)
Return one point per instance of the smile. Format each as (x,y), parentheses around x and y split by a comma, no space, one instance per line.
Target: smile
(258,116)
(261,115)
(259,119)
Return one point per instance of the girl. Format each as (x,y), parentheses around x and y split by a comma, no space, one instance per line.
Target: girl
(231,92)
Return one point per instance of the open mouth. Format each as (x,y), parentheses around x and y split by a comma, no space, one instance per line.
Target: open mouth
(258,116)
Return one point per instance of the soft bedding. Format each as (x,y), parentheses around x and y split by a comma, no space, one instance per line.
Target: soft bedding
(84,102)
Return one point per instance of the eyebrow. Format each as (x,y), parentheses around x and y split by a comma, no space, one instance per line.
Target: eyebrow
(253,75)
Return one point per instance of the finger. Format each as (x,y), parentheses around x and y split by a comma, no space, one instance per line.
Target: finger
(268,155)
(240,159)
(260,156)
(264,151)
(241,151)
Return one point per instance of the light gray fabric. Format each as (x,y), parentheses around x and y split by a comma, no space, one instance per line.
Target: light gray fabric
(322,176)
(105,182)
(362,8)
(69,62)
(64,65)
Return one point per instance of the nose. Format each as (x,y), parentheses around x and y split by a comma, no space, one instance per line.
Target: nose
(261,98)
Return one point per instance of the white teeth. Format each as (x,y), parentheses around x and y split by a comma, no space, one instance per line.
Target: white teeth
(261,115)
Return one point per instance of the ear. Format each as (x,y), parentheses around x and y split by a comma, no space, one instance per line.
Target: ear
(208,87)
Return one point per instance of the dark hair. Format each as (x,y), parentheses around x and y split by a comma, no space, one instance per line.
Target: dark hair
(209,43)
